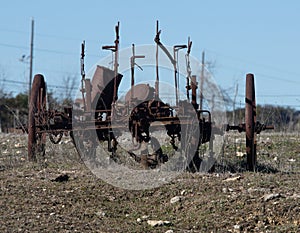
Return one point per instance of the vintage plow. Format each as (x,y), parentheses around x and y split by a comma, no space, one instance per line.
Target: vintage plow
(92,118)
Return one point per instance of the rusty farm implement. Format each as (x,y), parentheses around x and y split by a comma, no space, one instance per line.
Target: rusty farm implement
(97,116)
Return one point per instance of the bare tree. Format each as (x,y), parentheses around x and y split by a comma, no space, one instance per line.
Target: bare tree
(69,87)
(2,80)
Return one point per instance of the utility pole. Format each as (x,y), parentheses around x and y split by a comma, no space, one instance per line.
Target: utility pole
(202,80)
(31,59)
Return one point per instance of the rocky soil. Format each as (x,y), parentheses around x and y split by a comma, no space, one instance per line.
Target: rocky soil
(60,194)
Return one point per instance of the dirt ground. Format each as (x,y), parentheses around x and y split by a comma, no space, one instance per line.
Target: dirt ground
(61,195)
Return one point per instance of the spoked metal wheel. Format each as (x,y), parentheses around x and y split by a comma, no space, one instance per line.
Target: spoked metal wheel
(37,118)
(190,142)
(250,120)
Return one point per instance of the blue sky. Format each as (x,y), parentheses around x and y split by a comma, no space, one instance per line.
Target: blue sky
(261,37)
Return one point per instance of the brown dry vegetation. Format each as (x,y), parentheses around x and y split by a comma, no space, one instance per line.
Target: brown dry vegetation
(229,200)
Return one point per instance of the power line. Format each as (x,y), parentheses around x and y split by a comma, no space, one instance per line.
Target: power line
(45,50)
(13,46)
(253,62)
(26,83)
(46,35)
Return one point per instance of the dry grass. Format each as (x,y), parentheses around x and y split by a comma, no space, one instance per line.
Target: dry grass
(32,201)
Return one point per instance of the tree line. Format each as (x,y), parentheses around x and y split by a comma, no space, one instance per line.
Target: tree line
(14,109)
(284,119)
(14,112)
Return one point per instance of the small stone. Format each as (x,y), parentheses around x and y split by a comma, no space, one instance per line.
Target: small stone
(155,223)
(183,192)
(175,199)
(139,220)
(5,152)
(169,231)
(100,213)
(240,154)
(232,178)
(237,228)
(18,145)
(268,197)
(295,196)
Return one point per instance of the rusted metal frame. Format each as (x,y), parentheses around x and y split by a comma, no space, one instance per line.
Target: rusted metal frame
(156,61)
(176,49)
(188,69)
(199,112)
(259,127)
(115,50)
(165,50)
(88,90)
(83,74)
(132,64)
(116,64)
(194,86)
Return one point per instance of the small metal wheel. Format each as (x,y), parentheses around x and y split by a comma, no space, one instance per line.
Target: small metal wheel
(250,122)
(37,118)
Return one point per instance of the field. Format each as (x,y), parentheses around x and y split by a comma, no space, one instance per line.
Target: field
(60,194)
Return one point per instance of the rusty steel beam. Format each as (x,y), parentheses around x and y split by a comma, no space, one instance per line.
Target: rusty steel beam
(88,95)
(194,91)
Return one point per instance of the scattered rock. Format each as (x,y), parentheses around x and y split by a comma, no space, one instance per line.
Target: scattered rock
(169,231)
(240,154)
(143,218)
(251,190)
(232,179)
(237,228)
(19,145)
(5,152)
(100,213)
(268,197)
(183,192)
(295,196)
(156,223)
(175,199)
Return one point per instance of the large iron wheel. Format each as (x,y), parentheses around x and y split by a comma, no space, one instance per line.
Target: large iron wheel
(250,121)
(36,119)
(190,142)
